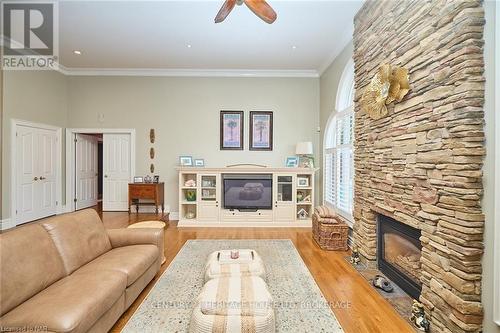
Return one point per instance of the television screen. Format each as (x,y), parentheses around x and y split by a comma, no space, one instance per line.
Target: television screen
(248,191)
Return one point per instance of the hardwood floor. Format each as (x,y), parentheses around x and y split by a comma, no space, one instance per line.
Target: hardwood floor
(358,307)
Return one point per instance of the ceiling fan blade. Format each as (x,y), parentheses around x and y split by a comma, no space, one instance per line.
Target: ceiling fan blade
(224,11)
(262,9)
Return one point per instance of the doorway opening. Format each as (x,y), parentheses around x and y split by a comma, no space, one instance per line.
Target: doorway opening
(88,158)
(100,163)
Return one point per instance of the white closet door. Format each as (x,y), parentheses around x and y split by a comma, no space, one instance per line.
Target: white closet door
(27,175)
(36,157)
(116,168)
(86,171)
(47,159)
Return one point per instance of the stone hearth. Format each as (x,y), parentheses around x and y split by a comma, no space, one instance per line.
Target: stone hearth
(422,164)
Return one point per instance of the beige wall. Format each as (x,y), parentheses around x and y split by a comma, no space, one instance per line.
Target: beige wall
(185,114)
(492,158)
(329,83)
(37,96)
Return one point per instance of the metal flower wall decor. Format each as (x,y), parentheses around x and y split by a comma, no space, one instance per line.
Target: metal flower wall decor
(388,85)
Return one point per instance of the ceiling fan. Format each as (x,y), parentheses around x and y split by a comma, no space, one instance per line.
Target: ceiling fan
(259,7)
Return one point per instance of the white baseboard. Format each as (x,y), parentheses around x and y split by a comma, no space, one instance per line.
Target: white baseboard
(7,224)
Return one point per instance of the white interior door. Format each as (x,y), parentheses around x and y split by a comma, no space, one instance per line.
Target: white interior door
(26,174)
(86,171)
(36,158)
(116,168)
(47,158)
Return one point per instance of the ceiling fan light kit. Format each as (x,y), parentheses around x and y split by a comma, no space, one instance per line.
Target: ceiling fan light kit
(259,7)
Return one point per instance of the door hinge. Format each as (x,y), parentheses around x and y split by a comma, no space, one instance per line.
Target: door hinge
(16,211)
(57,203)
(74,200)
(16,133)
(76,140)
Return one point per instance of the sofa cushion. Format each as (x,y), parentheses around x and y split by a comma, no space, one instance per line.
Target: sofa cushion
(30,263)
(72,304)
(80,237)
(132,261)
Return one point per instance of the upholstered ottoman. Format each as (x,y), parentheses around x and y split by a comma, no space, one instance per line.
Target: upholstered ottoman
(233,304)
(220,264)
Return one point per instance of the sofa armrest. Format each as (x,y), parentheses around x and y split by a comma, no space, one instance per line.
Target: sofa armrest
(137,236)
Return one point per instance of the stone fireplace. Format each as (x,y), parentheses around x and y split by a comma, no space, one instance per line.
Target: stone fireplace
(399,251)
(422,164)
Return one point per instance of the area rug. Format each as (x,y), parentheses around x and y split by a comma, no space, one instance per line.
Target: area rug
(299,304)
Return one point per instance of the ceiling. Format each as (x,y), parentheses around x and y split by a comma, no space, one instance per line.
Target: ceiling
(181,37)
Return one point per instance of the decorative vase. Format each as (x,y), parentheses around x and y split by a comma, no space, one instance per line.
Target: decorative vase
(191,195)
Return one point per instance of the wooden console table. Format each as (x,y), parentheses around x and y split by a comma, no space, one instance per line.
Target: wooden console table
(146,191)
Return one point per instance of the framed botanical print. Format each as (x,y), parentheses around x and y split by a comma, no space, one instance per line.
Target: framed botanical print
(261,130)
(231,130)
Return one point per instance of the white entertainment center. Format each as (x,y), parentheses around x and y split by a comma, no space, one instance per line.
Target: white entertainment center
(246,196)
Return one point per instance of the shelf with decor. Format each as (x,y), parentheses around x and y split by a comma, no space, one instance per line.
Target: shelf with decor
(208,187)
(304,196)
(188,195)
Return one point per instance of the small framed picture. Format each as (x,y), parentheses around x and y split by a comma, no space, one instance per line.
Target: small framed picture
(231,130)
(292,162)
(306,162)
(186,160)
(199,162)
(261,130)
(138,179)
(302,181)
(156,179)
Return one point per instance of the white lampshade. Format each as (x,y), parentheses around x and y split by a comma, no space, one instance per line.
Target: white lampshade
(304,148)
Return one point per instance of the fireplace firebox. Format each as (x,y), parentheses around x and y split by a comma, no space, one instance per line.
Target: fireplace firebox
(399,251)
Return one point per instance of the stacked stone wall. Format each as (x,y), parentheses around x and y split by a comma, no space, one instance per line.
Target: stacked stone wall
(422,165)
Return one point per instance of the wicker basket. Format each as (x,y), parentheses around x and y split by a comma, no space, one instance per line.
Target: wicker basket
(330,236)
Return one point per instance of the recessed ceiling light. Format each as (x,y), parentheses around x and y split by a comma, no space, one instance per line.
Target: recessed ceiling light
(189,46)
(294,47)
(77,52)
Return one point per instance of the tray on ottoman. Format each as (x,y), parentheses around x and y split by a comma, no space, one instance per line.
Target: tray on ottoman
(220,264)
(234,304)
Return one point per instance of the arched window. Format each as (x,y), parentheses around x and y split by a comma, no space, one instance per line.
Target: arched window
(338,148)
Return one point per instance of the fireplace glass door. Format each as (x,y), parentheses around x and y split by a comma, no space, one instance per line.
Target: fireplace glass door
(399,254)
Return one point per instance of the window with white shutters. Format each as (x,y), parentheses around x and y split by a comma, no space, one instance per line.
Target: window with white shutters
(338,149)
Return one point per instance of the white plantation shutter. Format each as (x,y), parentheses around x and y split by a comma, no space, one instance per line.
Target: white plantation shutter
(338,154)
(329,178)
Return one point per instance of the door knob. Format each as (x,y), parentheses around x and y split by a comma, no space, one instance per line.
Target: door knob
(105,176)
(42,178)
(35,179)
(96,174)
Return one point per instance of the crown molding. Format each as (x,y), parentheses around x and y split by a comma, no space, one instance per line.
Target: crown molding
(72,71)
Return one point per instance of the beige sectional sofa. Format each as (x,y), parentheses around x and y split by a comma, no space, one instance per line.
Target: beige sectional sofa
(68,274)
